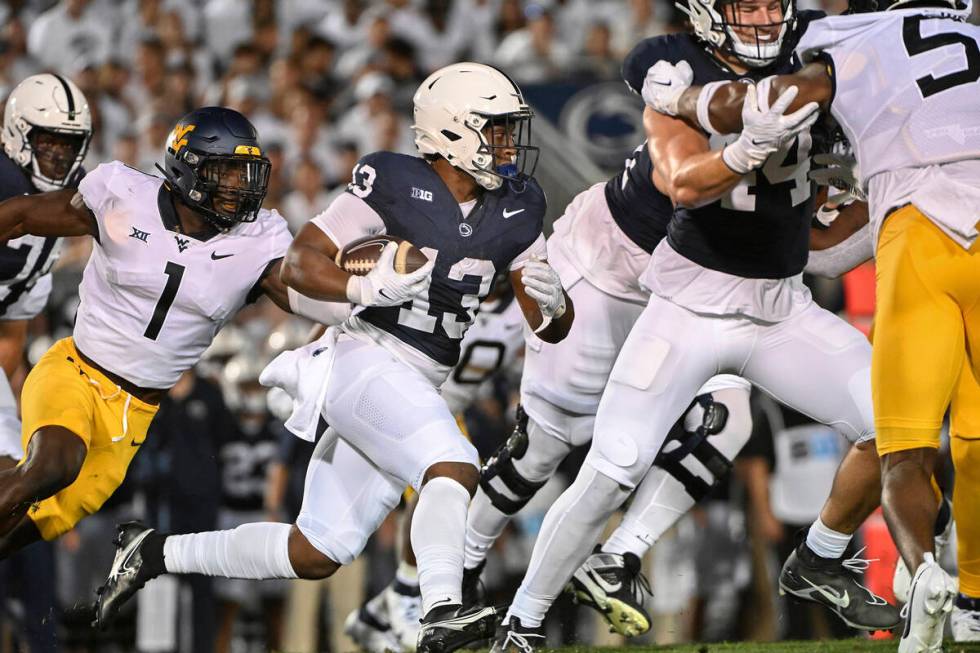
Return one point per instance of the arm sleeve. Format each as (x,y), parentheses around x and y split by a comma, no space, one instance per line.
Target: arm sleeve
(536,249)
(349,218)
(326,313)
(842,257)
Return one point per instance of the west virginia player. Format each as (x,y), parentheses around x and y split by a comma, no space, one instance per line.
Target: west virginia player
(174,259)
(472,207)
(47,127)
(726,297)
(908,103)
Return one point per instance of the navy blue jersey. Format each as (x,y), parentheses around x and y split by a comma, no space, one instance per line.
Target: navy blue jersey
(638,208)
(761,228)
(416,205)
(22,260)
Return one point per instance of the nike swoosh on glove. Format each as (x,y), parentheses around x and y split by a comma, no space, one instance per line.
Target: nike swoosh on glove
(764,132)
(382,286)
(541,283)
(664,84)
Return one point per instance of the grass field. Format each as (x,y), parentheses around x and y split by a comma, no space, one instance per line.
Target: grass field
(839,646)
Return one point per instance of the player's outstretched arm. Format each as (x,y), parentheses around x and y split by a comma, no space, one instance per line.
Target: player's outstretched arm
(57,213)
(546,306)
(725,107)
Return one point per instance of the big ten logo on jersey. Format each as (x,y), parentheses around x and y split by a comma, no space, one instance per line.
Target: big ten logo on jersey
(420,194)
(790,164)
(468,276)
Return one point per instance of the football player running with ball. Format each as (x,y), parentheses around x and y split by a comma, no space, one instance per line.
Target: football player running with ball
(909,104)
(726,296)
(174,259)
(472,207)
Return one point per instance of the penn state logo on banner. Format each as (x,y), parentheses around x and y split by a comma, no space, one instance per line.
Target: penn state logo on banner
(605,120)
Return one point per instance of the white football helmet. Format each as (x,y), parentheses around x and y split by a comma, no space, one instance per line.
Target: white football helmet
(452,108)
(46,103)
(711,26)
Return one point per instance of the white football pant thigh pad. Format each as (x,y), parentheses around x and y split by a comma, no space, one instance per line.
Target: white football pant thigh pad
(438,531)
(667,357)
(572,374)
(10,435)
(390,412)
(568,533)
(819,365)
(345,499)
(661,499)
(254,551)
(485,522)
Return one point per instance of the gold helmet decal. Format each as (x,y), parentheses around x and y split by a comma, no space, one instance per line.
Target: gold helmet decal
(177,138)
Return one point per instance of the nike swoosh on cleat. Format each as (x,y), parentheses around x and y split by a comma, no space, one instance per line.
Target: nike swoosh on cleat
(841,601)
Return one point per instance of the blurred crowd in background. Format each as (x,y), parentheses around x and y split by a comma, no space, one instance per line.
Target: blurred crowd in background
(326,81)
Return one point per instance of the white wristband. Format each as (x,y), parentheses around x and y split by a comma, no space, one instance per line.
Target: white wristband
(704,103)
(355,290)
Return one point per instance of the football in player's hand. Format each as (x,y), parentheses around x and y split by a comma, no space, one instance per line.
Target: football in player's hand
(360,256)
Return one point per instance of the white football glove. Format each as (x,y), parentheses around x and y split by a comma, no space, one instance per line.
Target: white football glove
(841,172)
(664,84)
(382,286)
(764,132)
(542,284)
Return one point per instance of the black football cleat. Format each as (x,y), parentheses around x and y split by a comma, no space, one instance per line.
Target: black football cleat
(452,627)
(512,637)
(615,586)
(835,583)
(127,575)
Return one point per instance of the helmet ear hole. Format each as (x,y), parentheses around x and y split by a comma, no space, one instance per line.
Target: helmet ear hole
(451,136)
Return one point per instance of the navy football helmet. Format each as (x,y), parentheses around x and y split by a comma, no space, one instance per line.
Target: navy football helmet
(215,165)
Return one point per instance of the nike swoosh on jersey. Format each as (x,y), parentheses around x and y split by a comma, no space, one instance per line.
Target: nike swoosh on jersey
(508,214)
(217,257)
(840,600)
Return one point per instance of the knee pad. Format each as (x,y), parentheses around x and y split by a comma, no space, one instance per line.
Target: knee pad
(711,446)
(503,484)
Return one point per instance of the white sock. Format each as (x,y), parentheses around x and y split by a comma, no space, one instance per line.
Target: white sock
(570,529)
(255,551)
(407,574)
(659,502)
(484,524)
(826,542)
(438,533)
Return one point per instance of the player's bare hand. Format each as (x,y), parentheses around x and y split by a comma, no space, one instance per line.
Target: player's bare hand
(664,84)
(766,130)
(382,286)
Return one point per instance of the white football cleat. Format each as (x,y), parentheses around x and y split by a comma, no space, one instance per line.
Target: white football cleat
(902,579)
(966,619)
(369,630)
(930,602)
(404,607)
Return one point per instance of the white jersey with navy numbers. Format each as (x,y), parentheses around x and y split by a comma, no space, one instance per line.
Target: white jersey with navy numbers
(907,95)
(152,298)
(491,345)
